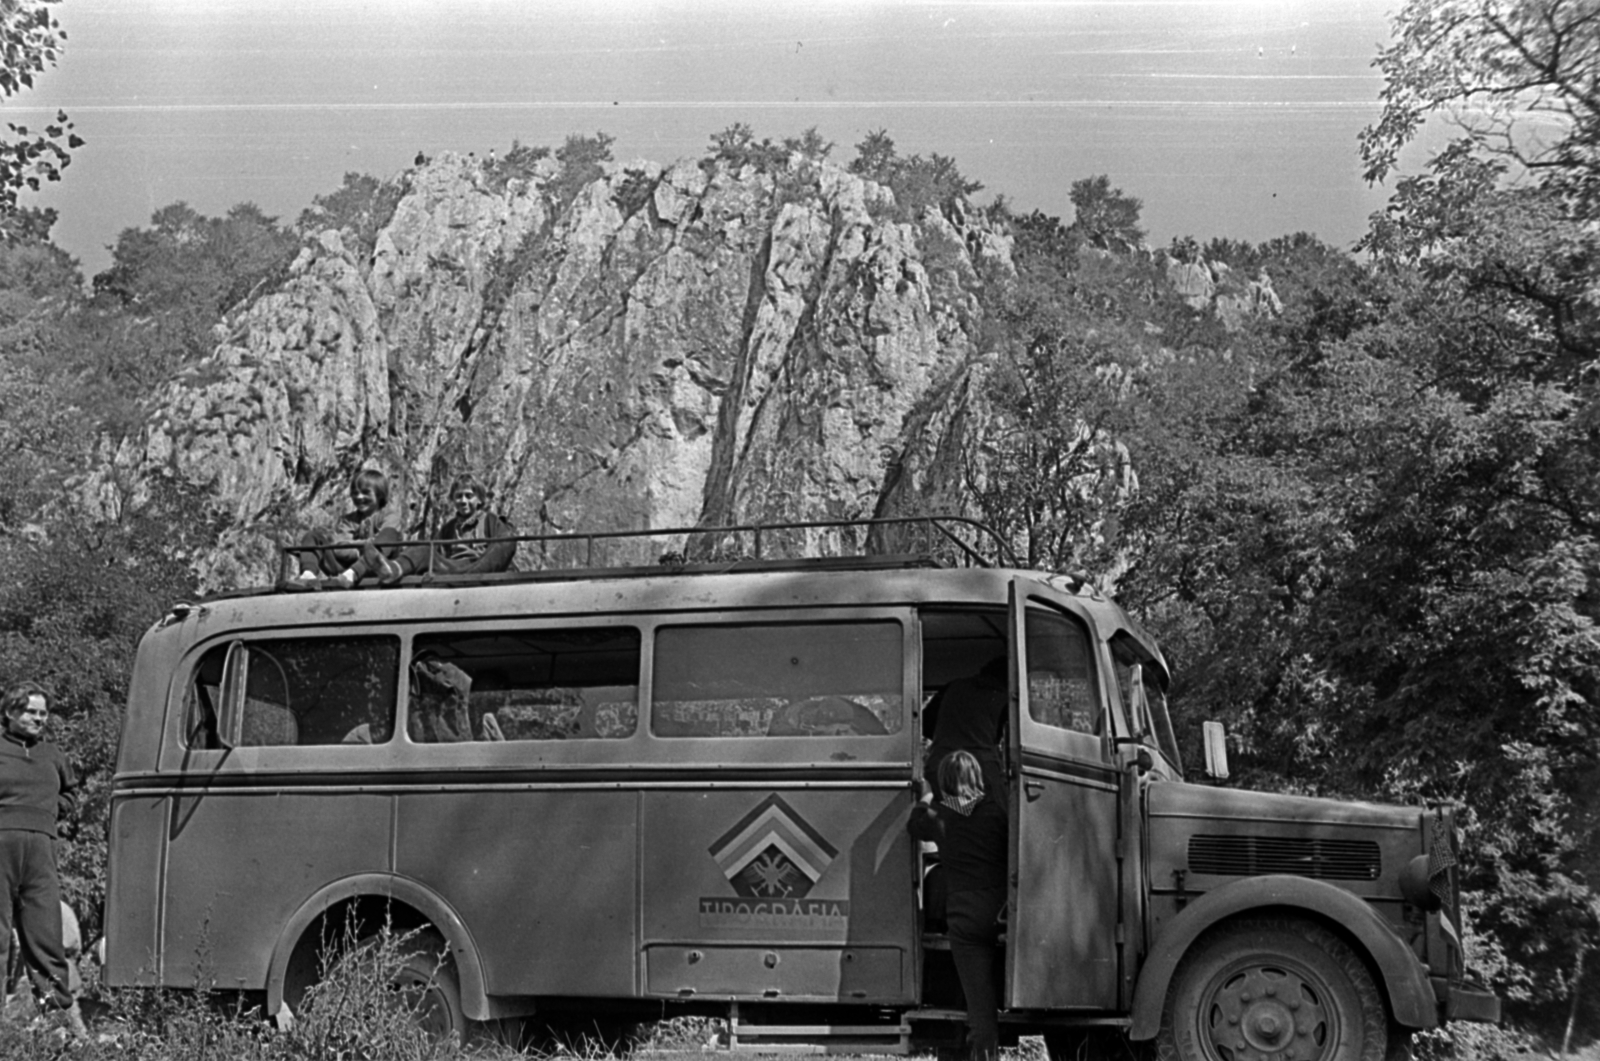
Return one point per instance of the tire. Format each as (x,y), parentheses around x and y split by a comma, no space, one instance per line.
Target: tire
(431,990)
(1283,990)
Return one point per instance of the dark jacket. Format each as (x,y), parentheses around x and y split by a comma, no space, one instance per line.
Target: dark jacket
(972,847)
(36,785)
(477,557)
(967,715)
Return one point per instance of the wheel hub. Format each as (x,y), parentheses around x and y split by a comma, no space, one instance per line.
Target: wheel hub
(1267,1014)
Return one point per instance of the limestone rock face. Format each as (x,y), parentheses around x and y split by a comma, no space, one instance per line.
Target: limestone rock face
(1213,286)
(688,346)
(660,347)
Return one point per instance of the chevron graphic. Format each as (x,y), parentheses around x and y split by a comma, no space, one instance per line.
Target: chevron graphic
(773,852)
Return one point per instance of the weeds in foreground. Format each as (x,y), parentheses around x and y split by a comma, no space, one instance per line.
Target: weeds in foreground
(356,1013)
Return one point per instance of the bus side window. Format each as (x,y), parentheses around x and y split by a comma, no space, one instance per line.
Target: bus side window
(779,680)
(308,691)
(1060,681)
(203,704)
(525,685)
(1153,724)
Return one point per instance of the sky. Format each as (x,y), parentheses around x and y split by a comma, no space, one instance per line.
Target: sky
(1232,118)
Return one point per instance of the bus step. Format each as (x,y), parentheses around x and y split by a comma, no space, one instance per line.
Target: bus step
(819,1038)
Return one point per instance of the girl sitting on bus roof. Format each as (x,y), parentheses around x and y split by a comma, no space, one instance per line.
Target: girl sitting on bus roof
(332,557)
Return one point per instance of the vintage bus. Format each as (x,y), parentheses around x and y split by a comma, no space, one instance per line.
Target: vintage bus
(670,773)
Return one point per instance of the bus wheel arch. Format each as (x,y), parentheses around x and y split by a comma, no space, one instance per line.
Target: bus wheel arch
(1401,980)
(1273,987)
(372,899)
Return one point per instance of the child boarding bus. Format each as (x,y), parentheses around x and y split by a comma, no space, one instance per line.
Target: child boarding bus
(613,794)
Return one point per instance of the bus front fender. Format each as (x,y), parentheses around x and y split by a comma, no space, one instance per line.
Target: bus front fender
(1404,980)
(469,968)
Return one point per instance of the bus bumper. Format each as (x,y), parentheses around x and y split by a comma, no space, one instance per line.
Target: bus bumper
(1462,1001)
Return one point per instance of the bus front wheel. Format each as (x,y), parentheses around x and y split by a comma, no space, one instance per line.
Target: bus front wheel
(1285,990)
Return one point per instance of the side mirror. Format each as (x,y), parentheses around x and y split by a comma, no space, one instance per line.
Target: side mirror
(1138,704)
(1216,742)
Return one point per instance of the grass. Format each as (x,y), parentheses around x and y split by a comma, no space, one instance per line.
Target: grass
(355,1014)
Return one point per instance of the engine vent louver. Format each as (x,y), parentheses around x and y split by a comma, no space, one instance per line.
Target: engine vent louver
(1248,856)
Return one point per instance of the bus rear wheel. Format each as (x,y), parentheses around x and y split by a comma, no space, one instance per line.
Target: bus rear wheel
(427,983)
(1284,990)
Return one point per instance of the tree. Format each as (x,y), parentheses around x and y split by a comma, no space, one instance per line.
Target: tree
(174,280)
(875,157)
(809,144)
(30,40)
(1515,78)
(1497,235)
(582,160)
(737,146)
(43,438)
(1050,468)
(71,618)
(918,183)
(1080,340)
(1104,217)
(1371,552)
(360,209)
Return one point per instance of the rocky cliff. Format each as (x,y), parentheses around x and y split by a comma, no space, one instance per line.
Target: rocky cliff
(670,347)
(691,346)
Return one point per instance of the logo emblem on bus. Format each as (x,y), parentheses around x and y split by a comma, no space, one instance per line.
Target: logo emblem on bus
(773,852)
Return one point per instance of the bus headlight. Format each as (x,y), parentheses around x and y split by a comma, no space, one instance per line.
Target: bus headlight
(1414,885)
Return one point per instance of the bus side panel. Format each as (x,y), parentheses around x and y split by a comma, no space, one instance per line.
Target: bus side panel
(133,891)
(788,894)
(545,881)
(240,865)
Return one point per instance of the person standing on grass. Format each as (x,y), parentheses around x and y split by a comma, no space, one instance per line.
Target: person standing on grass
(36,787)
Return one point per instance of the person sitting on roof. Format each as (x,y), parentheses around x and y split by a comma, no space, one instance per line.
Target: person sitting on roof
(334,557)
(473,541)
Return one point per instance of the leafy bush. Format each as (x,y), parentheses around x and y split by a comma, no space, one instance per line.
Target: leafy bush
(520,163)
(736,147)
(634,192)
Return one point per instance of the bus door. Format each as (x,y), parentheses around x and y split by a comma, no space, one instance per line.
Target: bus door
(1062,935)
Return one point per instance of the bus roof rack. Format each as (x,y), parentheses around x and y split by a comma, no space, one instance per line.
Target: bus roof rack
(896,541)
